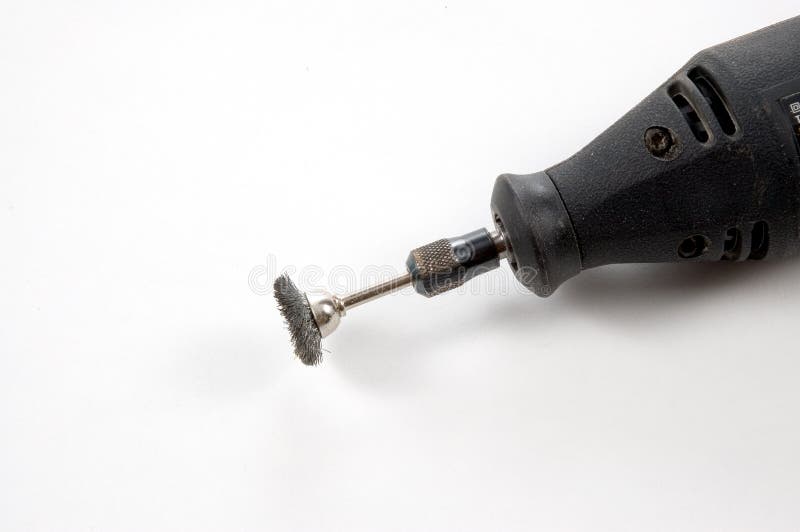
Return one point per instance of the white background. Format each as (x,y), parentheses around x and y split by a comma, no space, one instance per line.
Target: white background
(153,155)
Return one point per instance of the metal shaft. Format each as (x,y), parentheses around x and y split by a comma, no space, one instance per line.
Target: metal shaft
(374,292)
(432,269)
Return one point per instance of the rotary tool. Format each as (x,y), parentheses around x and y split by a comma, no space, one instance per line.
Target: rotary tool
(706,168)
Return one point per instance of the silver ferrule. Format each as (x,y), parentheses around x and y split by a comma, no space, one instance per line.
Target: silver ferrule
(327,310)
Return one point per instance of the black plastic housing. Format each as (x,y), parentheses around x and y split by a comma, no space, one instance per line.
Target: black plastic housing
(706,168)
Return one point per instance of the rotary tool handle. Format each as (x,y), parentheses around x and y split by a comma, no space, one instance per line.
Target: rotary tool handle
(706,168)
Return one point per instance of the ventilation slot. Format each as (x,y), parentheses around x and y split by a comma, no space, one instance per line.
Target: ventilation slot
(733,244)
(718,105)
(760,245)
(692,118)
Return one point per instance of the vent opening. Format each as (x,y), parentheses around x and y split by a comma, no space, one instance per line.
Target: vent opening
(733,244)
(714,98)
(760,241)
(693,119)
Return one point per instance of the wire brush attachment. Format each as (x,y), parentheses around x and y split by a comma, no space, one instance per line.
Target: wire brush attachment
(296,311)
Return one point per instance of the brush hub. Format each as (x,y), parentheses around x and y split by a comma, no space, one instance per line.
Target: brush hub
(327,310)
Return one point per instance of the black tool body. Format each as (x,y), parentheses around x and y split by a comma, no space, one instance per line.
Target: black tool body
(706,168)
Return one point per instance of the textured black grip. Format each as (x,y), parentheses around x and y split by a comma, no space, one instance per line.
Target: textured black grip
(450,262)
(704,169)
